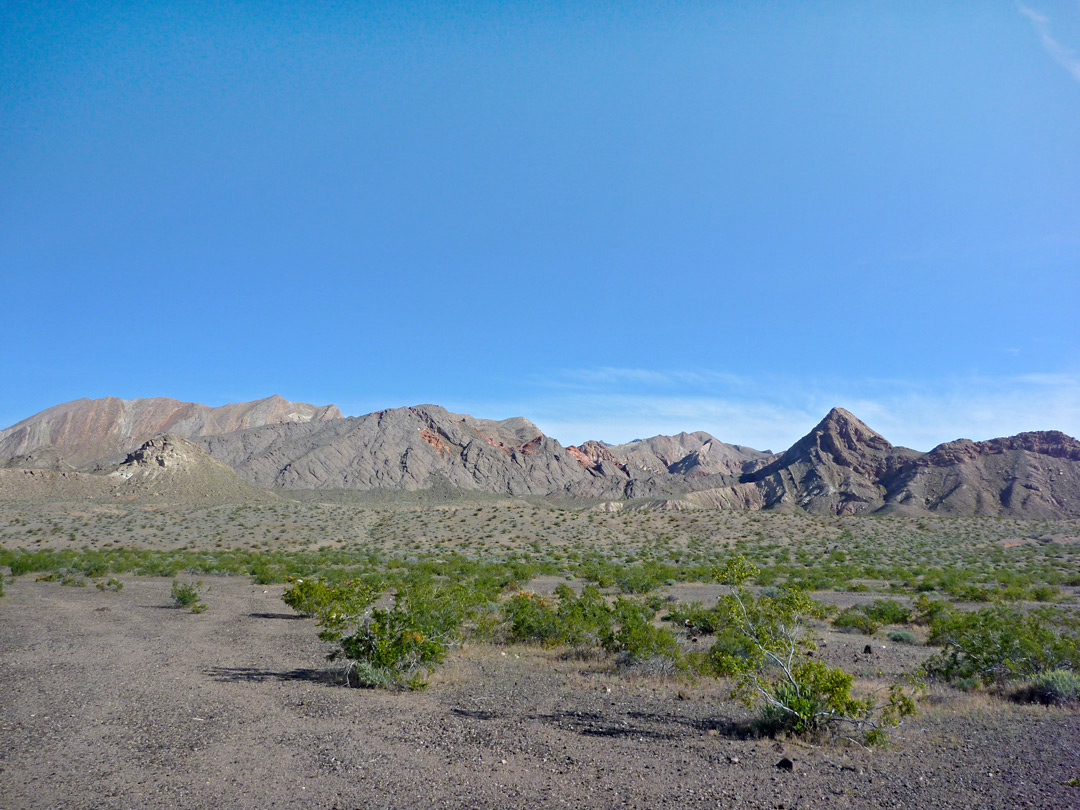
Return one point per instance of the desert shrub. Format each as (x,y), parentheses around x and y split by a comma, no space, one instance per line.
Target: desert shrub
(1044,593)
(310,597)
(531,618)
(641,578)
(391,649)
(635,639)
(21,565)
(388,647)
(1001,643)
(854,620)
(902,637)
(765,649)
(1052,687)
(599,571)
(64,578)
(187,595)
(927,609)
(585,620)
(887,611)
(695,616)
(112,584)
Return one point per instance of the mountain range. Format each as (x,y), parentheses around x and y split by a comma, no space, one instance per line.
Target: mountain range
(248,450)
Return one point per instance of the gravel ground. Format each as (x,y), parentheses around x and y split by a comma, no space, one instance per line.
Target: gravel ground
(115,700)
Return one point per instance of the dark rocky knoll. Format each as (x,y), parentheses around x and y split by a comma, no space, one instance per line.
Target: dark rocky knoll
(843,467)
(837,468)
(87,430)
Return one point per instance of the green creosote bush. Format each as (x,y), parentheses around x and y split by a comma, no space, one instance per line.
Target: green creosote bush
(532,618)
(902,637)
(887,611)
(309,597)
(388,647)
(765,649)
(998,644)
(638,642)
(854,620)
(927,609)
(63,578)
(868,618)
(624,628)
(187,595)
(695,617)
(392,649)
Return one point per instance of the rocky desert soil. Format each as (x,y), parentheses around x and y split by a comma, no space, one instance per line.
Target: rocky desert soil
(117,700)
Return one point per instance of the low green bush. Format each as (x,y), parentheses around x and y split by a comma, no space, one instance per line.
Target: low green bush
(1056,686)
(188,595)
(902,637)
(532,618)
(636,640)
(695,617)
(390,648)
(887,611)
(1002,643)
(854,620)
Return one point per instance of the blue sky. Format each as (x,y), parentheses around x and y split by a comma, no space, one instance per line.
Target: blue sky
(616,219)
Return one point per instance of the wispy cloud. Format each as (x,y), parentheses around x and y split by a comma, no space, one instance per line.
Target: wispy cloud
(617,405)
(1061,54)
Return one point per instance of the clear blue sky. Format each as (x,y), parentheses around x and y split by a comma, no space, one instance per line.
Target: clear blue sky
(617,219)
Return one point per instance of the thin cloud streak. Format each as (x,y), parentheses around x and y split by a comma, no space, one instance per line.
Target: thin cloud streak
(1064,56)
(775,414)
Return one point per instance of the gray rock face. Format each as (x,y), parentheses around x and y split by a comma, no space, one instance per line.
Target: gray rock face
(403,448)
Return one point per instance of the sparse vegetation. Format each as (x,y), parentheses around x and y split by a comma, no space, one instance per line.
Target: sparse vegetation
(188,595)
(999,644)
(1055,686)
(804,696)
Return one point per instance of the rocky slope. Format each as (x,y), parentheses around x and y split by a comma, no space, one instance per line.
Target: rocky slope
(402,448)
(84,431)
(1031,474)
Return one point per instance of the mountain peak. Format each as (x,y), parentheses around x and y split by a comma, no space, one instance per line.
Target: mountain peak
(848,432)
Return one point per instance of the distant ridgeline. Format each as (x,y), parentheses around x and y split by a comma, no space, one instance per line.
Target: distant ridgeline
(99,448)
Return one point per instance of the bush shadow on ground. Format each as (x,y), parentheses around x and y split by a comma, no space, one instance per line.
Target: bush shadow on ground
(289,616)
(635,724)
(256,675)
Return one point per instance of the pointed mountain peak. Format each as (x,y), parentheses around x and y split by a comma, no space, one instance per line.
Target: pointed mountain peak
(842,439)
(850,428)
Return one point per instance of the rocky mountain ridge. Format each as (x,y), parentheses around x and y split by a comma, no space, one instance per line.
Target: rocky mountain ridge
(840,467)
